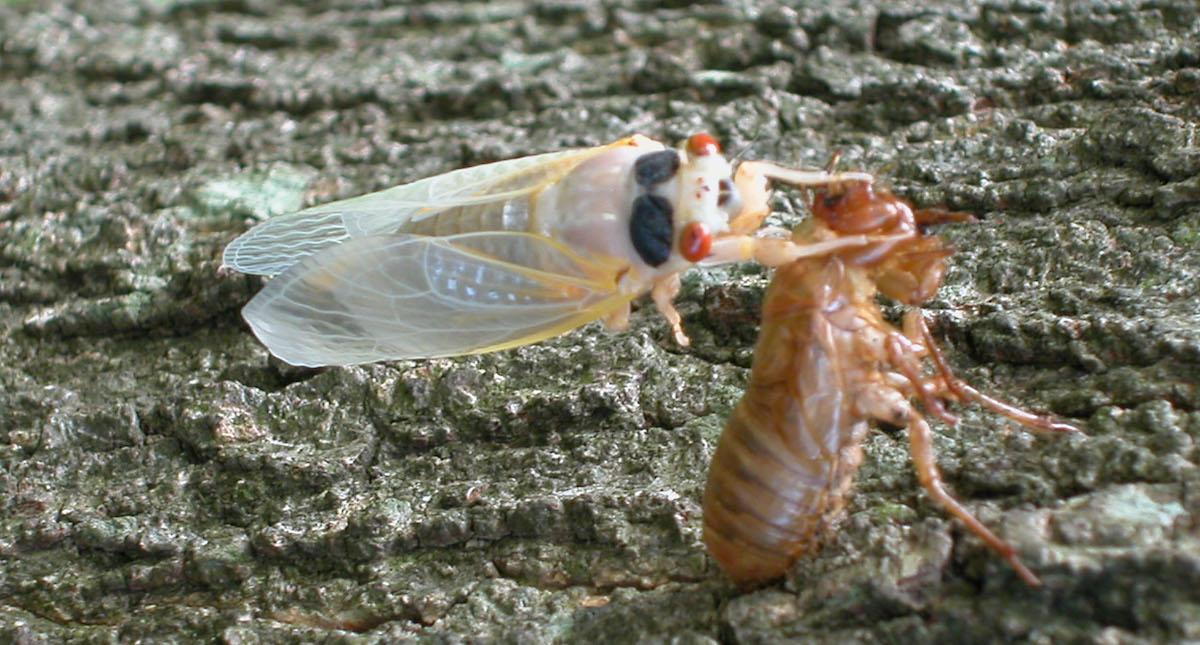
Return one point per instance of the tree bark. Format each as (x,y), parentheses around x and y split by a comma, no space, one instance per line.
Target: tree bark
(162,476)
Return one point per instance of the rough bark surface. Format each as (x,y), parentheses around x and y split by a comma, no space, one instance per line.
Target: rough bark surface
(161,477)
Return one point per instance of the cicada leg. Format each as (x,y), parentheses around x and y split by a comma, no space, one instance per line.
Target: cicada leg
(931,216)
(920,442)
(904,354)
(618,320)
(775,252)
(889,406)
(753,179)
(663,293)
(914,324)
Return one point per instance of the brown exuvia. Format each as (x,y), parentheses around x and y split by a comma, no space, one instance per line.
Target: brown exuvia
(827,363)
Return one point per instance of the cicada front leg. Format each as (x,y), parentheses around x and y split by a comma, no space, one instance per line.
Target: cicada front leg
(914,325)
(905,356)
(774,252)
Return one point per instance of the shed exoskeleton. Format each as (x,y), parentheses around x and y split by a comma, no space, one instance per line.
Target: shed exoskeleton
(825,364)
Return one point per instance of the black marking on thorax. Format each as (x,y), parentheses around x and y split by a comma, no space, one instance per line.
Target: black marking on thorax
(654,168)
(651,228)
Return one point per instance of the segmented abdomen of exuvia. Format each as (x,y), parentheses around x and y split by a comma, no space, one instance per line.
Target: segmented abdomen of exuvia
(789,451)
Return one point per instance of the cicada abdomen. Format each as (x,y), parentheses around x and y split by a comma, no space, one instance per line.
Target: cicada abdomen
(787,456)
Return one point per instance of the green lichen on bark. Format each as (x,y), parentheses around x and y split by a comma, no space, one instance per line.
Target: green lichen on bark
(162,476)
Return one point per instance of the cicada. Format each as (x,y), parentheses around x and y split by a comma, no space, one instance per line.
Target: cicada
(827,362)
(509,253)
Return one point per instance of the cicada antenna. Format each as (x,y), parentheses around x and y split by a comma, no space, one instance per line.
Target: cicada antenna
(834,158)
(754,139)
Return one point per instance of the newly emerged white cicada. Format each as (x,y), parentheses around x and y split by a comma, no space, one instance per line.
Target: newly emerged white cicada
(509,253)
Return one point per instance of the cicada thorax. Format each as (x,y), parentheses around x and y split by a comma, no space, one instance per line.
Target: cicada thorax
(622,201)
(657,208)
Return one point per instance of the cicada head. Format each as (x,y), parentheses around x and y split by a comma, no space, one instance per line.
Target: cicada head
(859,209)
(908,269)
(706,199)
(687,199)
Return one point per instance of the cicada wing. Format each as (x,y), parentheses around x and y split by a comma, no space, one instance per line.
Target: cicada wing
(276,244)
(272,246)
(395,296)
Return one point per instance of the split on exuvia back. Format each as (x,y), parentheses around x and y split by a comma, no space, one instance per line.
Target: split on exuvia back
(509,253)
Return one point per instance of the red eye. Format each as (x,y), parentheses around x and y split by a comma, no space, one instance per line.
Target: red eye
(696,242)
(701,144)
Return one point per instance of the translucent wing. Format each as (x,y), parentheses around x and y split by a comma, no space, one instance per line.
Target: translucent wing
(396,296)
(274,245)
